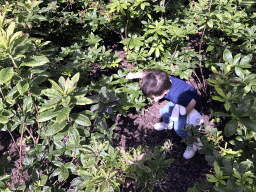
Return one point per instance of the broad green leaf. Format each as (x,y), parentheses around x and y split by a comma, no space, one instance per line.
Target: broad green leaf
(80,100)
(157,52)
(151,50)
(220,91)
(210,24)
(64,173)
(22,86)
(81,119)
(236,59)
(227,55)
(245,60)
(35,61)
(10,30)
(65,101)
(14,37)
(75,78)
(43,179)
(52,93)
(67,86)
(227,106)
(62,82)
(3,119)
(211,178)
(248,123)
(55,128)
(74,135)
(239,72)
(35,176)
(6,75)
(231,128)
(214,70)
(86,184)
(210,48)
(47,115)
(247,88)
(62,114)
(56,86)
(20,41)
(27,104)
(143,167)
(227,166)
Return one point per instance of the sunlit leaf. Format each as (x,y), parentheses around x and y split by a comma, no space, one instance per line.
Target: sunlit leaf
(55,128)
(74,135)
(35,61)
(62,114)
(47,115)
(6,75)
(81,119)
(22,86)
(56,86)
(228,56)
(3,119)
(245,60)
(80,100)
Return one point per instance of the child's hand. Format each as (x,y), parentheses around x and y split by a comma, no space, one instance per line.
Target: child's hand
(130,76)
(137,75)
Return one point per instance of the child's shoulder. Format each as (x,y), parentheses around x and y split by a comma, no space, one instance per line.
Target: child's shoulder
(175,79)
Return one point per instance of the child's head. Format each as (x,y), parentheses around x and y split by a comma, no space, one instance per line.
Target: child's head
(155,83)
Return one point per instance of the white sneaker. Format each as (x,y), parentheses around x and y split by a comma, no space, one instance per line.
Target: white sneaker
(190,151)
(162,126)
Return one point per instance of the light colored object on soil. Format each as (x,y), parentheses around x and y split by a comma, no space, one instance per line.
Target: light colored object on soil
(162,126)
(190,151)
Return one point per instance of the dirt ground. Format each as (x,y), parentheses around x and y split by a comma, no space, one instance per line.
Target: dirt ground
(137,129)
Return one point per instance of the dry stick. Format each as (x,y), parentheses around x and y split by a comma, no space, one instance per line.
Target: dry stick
(2,94)
(39,132)
(31,135)
(20,152)
(38,124)
(21,138)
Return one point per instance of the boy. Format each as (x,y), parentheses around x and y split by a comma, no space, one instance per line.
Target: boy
(157,84)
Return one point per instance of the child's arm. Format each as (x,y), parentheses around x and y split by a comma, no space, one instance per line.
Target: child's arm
(138,75)
(190,106)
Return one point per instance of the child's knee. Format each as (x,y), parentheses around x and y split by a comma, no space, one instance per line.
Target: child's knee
(164,110)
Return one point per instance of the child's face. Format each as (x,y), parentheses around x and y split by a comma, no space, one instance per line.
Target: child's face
(157,98)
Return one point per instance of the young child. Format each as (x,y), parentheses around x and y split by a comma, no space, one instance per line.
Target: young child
(157,84)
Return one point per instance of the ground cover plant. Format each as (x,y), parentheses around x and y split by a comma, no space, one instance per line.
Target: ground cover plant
(63,90)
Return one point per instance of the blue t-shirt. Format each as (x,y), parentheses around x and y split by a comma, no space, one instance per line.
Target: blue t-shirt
(182,93)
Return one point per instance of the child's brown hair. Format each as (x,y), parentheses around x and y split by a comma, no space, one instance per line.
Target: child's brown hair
(155,82)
